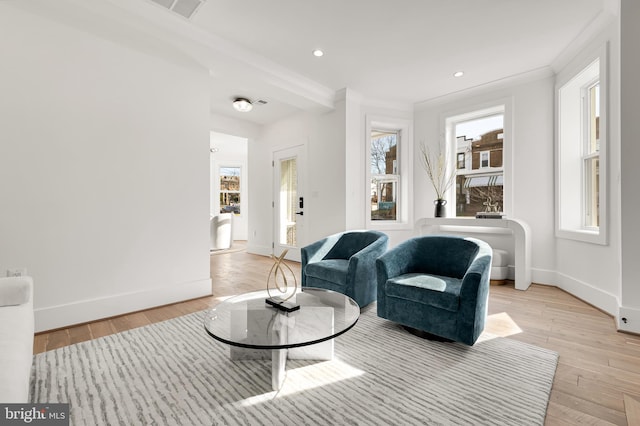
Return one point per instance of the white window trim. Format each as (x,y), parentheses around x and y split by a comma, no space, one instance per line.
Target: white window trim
(404,205)
(498,106)
(583,233)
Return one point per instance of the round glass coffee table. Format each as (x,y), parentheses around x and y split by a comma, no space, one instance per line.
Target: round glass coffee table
(257,330)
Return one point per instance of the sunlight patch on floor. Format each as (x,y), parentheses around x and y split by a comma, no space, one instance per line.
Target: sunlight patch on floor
(499,325)
(308,377)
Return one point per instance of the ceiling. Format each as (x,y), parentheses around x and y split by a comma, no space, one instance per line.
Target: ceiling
(395,53)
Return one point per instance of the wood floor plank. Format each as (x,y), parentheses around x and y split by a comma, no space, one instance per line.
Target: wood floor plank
(584,406)
(79,333)
(632,406)
(101,329)
(127,322)
(58,339)
(40,343)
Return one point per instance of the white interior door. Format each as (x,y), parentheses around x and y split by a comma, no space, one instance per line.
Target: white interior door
(288,202)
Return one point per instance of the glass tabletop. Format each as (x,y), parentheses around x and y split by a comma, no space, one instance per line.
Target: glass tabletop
(248,321)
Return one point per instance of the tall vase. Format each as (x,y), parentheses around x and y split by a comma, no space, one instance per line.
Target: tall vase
(441,210)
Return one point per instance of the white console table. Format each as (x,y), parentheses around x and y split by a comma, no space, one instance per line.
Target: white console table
(519,229)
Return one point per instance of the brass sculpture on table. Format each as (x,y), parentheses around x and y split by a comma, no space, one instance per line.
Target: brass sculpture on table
(281,284)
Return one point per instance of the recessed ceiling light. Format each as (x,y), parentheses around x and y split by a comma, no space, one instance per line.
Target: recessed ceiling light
(242,104)
(458,74)
(318,53)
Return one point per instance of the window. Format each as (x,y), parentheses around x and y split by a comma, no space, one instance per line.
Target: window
(230,190)
(388,173)
(478,135)
(484,159)
(580,148)
(384,174)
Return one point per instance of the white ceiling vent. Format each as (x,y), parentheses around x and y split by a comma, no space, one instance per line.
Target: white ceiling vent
(184,8)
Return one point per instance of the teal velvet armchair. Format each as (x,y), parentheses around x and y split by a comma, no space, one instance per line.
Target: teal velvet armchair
(436,284)
(345,262)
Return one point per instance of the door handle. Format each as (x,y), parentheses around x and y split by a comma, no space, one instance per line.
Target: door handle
(300,213)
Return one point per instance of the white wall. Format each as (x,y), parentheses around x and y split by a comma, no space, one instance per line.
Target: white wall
(630,153)
(104,171)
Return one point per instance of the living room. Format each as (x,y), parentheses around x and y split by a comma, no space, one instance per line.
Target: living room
(106,170)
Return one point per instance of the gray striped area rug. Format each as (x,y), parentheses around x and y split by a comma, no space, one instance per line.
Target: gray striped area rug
(173,373)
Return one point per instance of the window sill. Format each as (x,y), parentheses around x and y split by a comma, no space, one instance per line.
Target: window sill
(389,226)
(583,235)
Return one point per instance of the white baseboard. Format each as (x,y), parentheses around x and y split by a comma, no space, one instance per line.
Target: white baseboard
(604,301)
(584,291)
(52,317)
(260,250)
(544,276)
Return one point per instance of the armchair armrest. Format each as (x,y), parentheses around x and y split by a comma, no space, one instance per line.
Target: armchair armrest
(395,262)
(315,252)
(474,294)
(362,268)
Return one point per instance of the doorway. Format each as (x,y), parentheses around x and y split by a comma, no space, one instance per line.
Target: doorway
(229,193)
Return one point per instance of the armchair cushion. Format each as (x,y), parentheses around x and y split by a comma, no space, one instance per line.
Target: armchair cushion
(434,290)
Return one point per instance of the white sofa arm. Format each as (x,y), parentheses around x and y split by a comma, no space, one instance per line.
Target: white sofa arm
(15,290)
(16,338)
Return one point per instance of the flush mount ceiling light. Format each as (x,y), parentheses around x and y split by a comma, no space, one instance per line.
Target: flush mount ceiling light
(458,74)
(242,104)
(318,53)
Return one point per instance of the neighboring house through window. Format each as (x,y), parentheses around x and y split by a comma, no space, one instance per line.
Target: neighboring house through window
(477,137)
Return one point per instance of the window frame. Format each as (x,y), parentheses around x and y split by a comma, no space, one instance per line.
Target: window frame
(571,217)
(404,172)
(223,191)
(503,106)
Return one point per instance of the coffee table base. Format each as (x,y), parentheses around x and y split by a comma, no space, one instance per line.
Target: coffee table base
(285,327)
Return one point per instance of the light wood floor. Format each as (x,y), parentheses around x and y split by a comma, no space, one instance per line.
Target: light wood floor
(598,377)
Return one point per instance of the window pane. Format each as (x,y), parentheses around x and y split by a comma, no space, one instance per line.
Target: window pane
(230,190)
(230,178)
(384,155)
(593,97)
(384,172)
(230,202)
(384,198)
(479,182)
(592,191)
(288,197)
